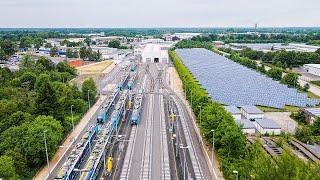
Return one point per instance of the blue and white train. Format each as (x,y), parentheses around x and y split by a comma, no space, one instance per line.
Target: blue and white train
(78,154)
(137,108)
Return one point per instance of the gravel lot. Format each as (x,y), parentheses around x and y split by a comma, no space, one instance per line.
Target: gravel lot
(283,119)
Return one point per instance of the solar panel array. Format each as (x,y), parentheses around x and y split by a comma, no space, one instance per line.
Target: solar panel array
(233,84)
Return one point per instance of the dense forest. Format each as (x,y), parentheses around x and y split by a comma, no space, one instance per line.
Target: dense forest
(234,153)
(34,101)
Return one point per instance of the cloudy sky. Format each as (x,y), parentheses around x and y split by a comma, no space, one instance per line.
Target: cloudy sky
(158,13)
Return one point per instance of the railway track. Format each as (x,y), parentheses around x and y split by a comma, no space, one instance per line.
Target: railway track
(271,147)
(305,150)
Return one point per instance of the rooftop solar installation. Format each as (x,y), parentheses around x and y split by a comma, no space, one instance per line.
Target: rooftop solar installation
(230,83)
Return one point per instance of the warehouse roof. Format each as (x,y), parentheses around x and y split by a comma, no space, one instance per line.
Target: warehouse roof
(232,109)
(313,65)
(245,124)
(313,111)
(268,124)
(251,109)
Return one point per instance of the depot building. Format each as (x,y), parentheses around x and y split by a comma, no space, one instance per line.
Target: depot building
(155,53)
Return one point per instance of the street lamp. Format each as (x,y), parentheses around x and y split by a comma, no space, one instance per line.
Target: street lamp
(185,87)
(89,99)
(200,116)
(184,155)
(45,144)
(72,117)
(191,98)
(236,173)
(212,130)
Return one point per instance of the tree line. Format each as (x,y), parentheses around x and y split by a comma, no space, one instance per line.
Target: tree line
(35,100)
(276,73)
(282,59)
(283,37)
(194,44)
(230,143)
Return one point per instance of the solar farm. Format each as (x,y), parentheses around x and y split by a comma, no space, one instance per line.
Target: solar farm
(230,83)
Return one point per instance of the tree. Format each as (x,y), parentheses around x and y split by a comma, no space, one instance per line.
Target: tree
(268,57)
(69,53)
(46,63)
(114,44)
(54,51)
(75,54)
(15,119)
(262,69)
(90,54)
(2,55)
(25,42)
(48,45)
(291,79)
(46,99)
(315,128)
(8,47)
(28,80)
(64,67)
(306,87)
(275,73)
(38,42)
(27,63)
(19,161)
(89,87)
(318,51)
(34,140)
(87,41)
(304,134)
(7,168)
(83,53)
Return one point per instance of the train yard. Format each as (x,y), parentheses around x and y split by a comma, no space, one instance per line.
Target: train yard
(135,135)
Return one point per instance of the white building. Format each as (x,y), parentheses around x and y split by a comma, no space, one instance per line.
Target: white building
(186,35)
(152,41)
(313,69)
(311,114)
(106,52)
(251,112)
(267,126)
(155,53)
(234,111)
(247,127)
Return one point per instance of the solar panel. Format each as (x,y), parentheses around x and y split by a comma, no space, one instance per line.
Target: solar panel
(233,84)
